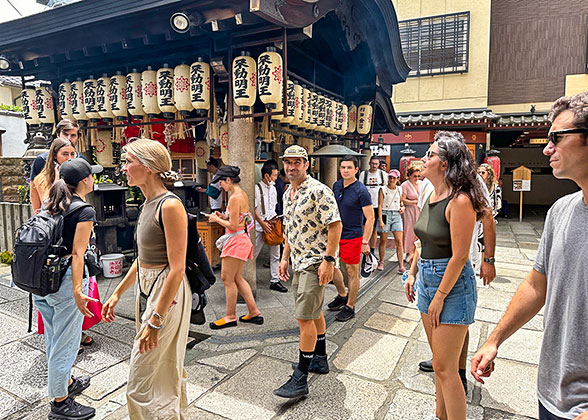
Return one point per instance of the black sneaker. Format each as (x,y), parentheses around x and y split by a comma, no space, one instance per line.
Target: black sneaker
(277,286)
(318,364)
(426,365)
(70,410)
(346,314)
(78,385)
(337,303)
(297,386)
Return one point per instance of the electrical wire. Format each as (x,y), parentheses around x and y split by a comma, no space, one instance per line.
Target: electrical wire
(10,3)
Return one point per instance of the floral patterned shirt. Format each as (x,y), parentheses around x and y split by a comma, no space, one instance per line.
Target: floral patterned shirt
(307,217)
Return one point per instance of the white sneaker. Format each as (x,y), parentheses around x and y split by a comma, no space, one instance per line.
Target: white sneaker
(432,417)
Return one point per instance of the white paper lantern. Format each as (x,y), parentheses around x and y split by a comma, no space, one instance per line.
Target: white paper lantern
(290,103)
(224,143)
(118,96)
(297,120)
(165,91)
(90,100)
(149,87)
(134,95)
(76,97)
(280,108)
(270,77)
(244,81)
(329,115)
(313,111)
(103,98)
(305,103)
(345,116)
(322,105)
(202,152)
(29,106)
(63,100)
(200,87)
(45,107)
(352,119)
(182,89)
(364,119)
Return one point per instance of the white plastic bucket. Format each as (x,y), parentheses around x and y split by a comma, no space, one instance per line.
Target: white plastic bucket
(112,265)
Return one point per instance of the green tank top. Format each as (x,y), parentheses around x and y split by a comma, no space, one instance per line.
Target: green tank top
(432,229)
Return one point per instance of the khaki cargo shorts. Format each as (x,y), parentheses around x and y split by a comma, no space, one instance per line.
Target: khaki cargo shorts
(308,295)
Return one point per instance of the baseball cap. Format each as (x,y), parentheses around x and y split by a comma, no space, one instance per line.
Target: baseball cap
(394,173)
(295,151)
(369,264)
(73,171)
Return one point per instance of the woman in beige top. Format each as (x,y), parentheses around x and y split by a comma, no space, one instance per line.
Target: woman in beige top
(61,151)
(157,379)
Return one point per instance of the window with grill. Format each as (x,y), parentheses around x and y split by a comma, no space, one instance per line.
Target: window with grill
(436,44)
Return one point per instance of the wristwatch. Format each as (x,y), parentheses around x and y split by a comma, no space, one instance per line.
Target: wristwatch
(328,258)
(490,260)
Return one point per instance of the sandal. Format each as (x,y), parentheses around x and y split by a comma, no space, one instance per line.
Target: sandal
(85,341)
(80,350)
(252,320)
(219,324)
(401,270)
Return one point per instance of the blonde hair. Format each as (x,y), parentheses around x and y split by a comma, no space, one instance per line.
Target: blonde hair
(47,175)
(154,156)
(491,178)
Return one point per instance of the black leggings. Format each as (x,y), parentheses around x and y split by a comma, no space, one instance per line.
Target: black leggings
(546,415)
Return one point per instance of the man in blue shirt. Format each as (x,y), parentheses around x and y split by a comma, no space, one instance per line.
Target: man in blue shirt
(355,204)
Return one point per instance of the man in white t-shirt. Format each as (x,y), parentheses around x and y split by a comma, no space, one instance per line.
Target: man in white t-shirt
(374,179)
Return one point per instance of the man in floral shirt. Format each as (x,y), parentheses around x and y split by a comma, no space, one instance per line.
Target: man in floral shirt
(313,229)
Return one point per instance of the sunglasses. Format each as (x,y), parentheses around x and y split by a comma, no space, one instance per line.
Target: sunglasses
(556,136)
(482,172)
(429,154)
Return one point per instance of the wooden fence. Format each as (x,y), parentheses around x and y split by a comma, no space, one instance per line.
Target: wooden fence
(12,215)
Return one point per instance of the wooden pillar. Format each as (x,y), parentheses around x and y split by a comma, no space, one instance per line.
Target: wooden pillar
(242,154)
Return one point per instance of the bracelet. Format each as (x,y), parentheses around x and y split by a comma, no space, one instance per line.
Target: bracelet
(157,315)
(153,326)
(441,291)
(365,243)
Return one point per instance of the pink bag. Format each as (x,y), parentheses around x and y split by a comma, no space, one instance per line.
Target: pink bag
(94,307)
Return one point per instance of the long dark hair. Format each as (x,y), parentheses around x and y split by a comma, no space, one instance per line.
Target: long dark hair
(48,171)
(461,174)
(60,197)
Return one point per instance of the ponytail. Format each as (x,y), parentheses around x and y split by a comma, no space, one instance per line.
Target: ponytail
(60,197)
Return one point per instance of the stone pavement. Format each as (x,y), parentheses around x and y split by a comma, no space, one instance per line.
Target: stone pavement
(373,357)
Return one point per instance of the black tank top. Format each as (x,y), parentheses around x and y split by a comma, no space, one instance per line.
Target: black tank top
(432,229)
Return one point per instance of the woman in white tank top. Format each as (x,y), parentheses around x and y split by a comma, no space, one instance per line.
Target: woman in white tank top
(390,208)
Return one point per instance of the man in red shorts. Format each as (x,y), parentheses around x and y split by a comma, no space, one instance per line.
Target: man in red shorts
(354,203)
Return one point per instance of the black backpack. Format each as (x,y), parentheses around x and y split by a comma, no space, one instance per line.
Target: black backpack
(37,266)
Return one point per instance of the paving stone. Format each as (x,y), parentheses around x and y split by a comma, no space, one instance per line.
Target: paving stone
(339,397)
(27,375)
(413,405)
(523,346)
(19,309)
(9,404)
(511,388)
(289,351)
(369,354)
(263,375)
(121,413)
(197,413)
(229,361)
(491,298)
(396,297)
(12,293)
(400,311)
(108,381)
(491,316)
(334,328)
(490,414)
(104,353)
(12,329)
(201,379)
(121,332)
(391,324)
(105,410)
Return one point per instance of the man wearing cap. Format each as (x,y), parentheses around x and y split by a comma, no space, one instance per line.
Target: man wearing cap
(312,229)
(355,203)
(214,191)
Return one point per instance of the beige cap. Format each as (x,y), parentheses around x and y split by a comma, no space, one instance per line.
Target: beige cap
(295,151)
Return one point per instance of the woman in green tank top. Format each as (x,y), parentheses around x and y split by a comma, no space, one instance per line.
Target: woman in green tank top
(446,284)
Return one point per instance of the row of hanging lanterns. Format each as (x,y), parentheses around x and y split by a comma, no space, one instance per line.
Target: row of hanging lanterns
(305,108)
(150,93)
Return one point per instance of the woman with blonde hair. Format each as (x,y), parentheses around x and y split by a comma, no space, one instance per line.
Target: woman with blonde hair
(486,171)
(61,150)
(157,379)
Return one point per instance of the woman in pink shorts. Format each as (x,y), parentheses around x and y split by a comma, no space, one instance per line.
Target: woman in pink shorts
(237,222)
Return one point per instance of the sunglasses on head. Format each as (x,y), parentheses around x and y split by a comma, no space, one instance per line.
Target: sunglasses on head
(556,136)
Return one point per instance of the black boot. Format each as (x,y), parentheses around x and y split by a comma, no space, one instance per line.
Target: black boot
(297,386)
(318,364)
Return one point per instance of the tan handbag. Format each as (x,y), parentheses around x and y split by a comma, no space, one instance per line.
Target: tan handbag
(276,236)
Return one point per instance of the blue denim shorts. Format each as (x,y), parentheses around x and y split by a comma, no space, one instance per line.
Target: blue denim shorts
(460,304)
(393,221)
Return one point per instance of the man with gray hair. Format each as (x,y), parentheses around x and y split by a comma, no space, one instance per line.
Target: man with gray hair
(559,278)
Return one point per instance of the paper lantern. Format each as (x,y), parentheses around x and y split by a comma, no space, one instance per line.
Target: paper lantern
(328,115)
(165,91)
(345,116)
(76,97)
(202,152)
(364,119)
(29,106)
(63,100)
(297,120)
(200,87)
(224,143)
(313,111)
(269,78)
(352,119)
(305,104)
(182,89)
(290,103)
(149,87)
(134,95)
(244,81)
(90,105)
(338,118)
(118,96)
(45,108)
(103,147)
(322,105)
(103,98)
(280,108)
